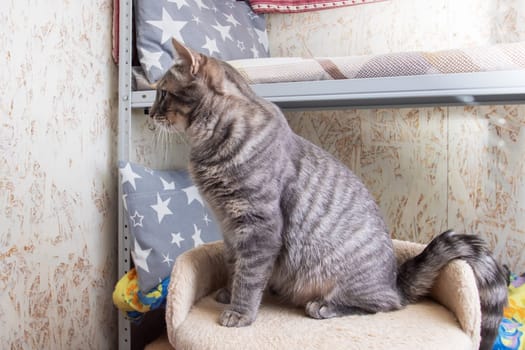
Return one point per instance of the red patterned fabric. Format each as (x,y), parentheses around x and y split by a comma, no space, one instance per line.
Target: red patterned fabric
(288,6)
(115,48)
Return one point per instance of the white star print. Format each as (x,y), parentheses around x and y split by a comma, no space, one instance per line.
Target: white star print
(176,238)
(167,185)
(262,37)
(240,45)
(150,59)
(193,194)
(196,20)
(179,3)
(232,20)
(211,46)
(124,203)
(255,52)
(196,236)
(167,259)
(137,219)
(140,256)
(170,28)
(224,30)
(162,208)
(206,219)
(129,176)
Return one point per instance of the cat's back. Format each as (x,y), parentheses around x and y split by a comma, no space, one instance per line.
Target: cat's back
(332,227)
(321,179)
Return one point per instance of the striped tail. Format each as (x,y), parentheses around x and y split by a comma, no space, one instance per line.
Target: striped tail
(417,275)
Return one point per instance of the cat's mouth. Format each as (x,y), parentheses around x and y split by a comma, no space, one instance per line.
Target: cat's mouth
(160,119)
(171,122)
(158,122)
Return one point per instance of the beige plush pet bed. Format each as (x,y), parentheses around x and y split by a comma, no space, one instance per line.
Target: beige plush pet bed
(449,320)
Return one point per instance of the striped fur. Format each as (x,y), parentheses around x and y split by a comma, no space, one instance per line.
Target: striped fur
(294,218)
(416,276)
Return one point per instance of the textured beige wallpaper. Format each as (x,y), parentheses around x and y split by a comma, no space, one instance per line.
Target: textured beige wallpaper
(397,25)
(58,113)
(430,169)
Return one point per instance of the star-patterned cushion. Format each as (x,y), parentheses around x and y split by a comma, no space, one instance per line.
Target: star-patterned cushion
(225,29)
(166,216)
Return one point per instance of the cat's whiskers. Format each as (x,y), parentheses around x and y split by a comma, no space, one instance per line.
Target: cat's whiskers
(163,138)
(165,141)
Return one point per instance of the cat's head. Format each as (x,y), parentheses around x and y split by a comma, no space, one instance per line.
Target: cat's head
(192,79)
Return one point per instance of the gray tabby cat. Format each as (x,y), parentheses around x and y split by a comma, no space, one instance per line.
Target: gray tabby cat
(294,218)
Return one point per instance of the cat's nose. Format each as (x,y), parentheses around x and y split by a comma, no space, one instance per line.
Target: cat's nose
(151,111)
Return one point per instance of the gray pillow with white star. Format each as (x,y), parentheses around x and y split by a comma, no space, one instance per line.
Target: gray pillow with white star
(166,216)
(225,29)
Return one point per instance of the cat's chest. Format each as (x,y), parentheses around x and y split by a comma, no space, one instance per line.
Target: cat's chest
(218,184)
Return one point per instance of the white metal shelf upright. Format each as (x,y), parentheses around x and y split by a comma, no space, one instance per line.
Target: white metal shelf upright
(124,143)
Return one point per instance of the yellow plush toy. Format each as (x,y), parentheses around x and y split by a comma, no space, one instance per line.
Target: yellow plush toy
(128,297)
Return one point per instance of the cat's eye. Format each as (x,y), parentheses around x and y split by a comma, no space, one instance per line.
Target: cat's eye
(163,93)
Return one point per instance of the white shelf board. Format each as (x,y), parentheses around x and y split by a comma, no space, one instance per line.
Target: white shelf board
(500,87)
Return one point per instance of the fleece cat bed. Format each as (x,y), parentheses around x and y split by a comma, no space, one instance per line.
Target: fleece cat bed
(448,319)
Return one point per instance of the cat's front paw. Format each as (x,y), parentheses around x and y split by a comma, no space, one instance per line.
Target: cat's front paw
(230,318)
(223,296)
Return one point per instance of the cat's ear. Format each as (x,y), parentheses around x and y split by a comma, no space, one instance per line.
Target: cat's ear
(213,74)
(187,54)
